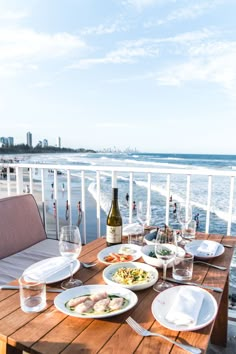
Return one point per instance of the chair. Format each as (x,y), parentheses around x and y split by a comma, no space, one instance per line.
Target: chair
(23,240)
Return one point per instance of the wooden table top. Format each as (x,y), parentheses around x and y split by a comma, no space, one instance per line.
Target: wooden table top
(51,331)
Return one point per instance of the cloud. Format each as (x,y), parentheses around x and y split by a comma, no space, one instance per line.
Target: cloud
(22,49)
(13,15)
(105,29)
(139,5)
(111,125)
(210,62)
(187,12)
(128,52)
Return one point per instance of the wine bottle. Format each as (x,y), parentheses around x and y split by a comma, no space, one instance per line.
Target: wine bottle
(114,221)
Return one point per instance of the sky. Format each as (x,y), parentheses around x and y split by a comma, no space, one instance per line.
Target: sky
(151,75)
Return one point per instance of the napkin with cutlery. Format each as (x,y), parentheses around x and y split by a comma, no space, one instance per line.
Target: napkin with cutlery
(45,269)
(207,248)
(186,307)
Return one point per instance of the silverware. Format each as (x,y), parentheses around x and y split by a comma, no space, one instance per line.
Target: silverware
(211,265)
(144,332)
(16,287)
(88,265)
(226,245)
(218,290)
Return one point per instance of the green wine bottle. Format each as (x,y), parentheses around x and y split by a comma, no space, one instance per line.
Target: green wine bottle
(114,222)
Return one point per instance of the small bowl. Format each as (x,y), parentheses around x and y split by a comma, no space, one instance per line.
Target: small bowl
(145,251)
(150,238)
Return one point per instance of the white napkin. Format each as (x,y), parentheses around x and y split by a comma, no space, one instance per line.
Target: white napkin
(186,307)
(46,269)
(208,248)
(132,229)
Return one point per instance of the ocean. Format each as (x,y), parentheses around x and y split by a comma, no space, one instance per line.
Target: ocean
(199,185)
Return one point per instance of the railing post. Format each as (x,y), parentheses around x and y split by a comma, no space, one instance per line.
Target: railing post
(69,198)
(231,196)
(167,198)
(149,199)
(44,212)
(208,204)
(98,205)
(131,176)
(83,206)
(19,180)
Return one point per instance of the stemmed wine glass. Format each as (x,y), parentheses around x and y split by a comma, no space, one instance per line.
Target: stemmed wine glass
(70,246)
(165,250)
(184,213)
(184,216)
(142,214)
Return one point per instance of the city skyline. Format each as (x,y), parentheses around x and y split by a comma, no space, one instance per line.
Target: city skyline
(155,75)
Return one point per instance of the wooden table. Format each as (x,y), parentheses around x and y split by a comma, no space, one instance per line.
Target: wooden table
(52,332)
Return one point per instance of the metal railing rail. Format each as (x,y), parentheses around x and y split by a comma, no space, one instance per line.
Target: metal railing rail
(21,168)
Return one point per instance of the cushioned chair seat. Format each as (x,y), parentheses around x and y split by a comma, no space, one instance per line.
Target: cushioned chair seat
(13,266)
(23,240)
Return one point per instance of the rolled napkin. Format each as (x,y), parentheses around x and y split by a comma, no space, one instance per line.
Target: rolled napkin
(207,248)
(186,307)
(44,269)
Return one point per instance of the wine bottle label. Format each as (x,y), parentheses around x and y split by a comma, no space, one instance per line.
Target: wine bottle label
(114,234)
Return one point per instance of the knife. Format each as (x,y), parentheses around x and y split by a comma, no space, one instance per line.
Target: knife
(218,290)
(16,287)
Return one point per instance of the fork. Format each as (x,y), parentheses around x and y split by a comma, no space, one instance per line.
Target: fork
(144,332)
(211,265)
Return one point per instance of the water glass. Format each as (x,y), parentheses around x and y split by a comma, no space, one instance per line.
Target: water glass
(136,238)
(189,230)
(183,267)
(32,294)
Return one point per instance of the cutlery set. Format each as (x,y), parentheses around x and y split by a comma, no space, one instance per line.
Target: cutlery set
(216,289)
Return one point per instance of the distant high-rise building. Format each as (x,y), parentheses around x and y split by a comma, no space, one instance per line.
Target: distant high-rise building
(45,143)
(59,142)
(29,139)
(10,141)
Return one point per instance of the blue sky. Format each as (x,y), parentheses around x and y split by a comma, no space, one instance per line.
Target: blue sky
(155,75)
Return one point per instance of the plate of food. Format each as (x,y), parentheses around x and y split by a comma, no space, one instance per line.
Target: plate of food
(184,308)
(95,301)
(204,249)
(119,254)
(131,275)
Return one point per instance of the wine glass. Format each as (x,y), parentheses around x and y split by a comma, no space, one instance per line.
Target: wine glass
(165,250)
(184,214)
(142,214)
(70,246)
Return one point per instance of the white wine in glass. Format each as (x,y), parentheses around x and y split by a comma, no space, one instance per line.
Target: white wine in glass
(70,246)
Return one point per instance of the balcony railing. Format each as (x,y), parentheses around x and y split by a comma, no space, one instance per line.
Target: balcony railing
(16,175)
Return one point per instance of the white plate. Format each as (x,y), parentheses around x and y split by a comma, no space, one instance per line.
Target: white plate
(128,249)
(111,269)
(58,276)
(192,247)
(65,296)
(162,303)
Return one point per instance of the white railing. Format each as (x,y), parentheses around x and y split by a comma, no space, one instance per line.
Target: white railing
(21,170)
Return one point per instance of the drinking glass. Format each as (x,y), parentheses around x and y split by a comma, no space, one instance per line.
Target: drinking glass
(142,214)
(70,246)
(184,214)
(165,250)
